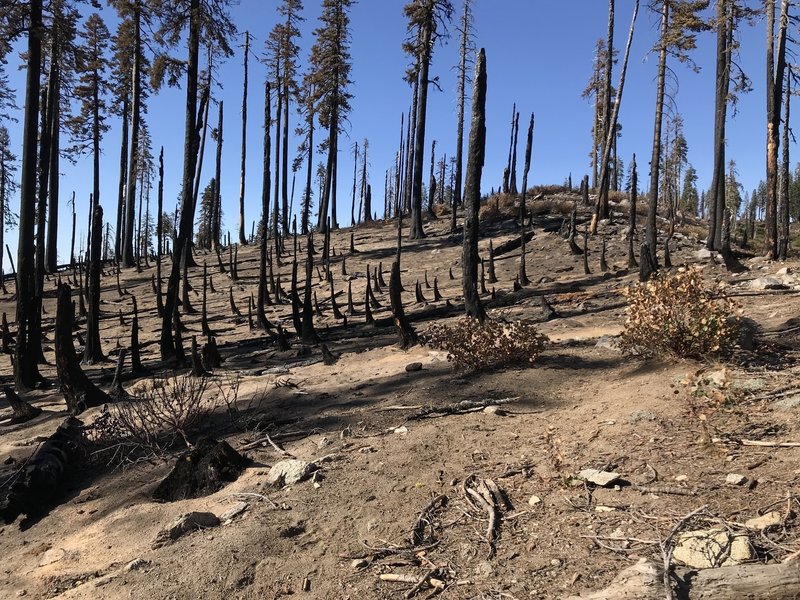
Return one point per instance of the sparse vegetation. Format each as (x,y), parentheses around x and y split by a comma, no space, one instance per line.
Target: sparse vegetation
(677,316)
(162,412)
(472,346)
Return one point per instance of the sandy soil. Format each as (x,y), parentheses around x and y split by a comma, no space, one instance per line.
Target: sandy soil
(582,405)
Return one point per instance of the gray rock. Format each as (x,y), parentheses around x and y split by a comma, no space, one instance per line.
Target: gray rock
(768,283)
(771,519)
(642,415)
(735,479)
(601,478)
(137,564)
(184,524)
(712,548)
(749,385)
(414,366)
(233,512)
(607,342)
(702,254)
(288,472)
(789,403)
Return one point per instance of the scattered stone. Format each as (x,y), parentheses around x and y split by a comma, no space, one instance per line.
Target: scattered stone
(402,430)
(184,524)
(534,500)
(642,415)
(233,512)
(749,385)
(702,254)
(712,548)
(784,271)
(279,370)
(137,564)
(359,563)
(288,472)
(681,478)
(735,479)
(771,519)
(600,478)
(608,342)
(787,403)
(768,283)
(415,366)
(604,509)
(718,378)
(492,410)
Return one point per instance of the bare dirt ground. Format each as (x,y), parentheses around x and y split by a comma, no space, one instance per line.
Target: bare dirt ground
(583,405)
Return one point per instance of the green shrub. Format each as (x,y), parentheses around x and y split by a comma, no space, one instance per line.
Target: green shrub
(678,316)
(471,346)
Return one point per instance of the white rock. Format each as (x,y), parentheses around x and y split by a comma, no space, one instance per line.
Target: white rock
(491,410)
(601,478)
(183,525)
(784,271)
(137,564)
(735,479)
(768,283)
(289,471)
(402,430)
(703,254)
(771,519)
(534,500)
(681,478)
(233,512)
(711,548)
(359,563)
(604,509)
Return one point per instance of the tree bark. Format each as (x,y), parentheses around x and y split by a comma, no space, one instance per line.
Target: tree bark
(130,197)
(79,393)
(26,372)
(93,352)
(242,239)
(169,349)
(472,192)
(265,187)
(651,229)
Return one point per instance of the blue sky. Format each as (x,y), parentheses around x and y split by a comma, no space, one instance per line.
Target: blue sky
(539,55)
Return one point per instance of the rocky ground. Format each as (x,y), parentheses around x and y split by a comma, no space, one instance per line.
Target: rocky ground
(387,437)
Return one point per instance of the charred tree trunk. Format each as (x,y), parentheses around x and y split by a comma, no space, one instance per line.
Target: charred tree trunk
(472,192)
(93,351)
(242,239)
(26,372)
(79,393)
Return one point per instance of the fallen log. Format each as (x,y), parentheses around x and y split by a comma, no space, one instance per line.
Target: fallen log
(644,581)
(512,244)
(32,489)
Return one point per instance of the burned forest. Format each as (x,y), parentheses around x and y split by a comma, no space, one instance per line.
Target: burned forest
(518,370)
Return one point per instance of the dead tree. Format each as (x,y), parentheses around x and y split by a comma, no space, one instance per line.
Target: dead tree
(21,411)
(136,361)
(405,332)
(491,272)
(234,310)
(79,393)
(472,192)
(526,169)
(308,334)
(647,264)
(632,264)
(93,352)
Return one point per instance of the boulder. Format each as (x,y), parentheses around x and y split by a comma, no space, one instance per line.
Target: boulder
(288,472)
(184,524)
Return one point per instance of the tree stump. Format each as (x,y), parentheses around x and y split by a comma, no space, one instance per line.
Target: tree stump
(79,393)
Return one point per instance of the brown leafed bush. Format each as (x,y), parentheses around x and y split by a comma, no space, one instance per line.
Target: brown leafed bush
(678,316)
(471,346)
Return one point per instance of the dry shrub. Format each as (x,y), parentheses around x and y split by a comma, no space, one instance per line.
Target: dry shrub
(678,316)
(471,346)
(163,411)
